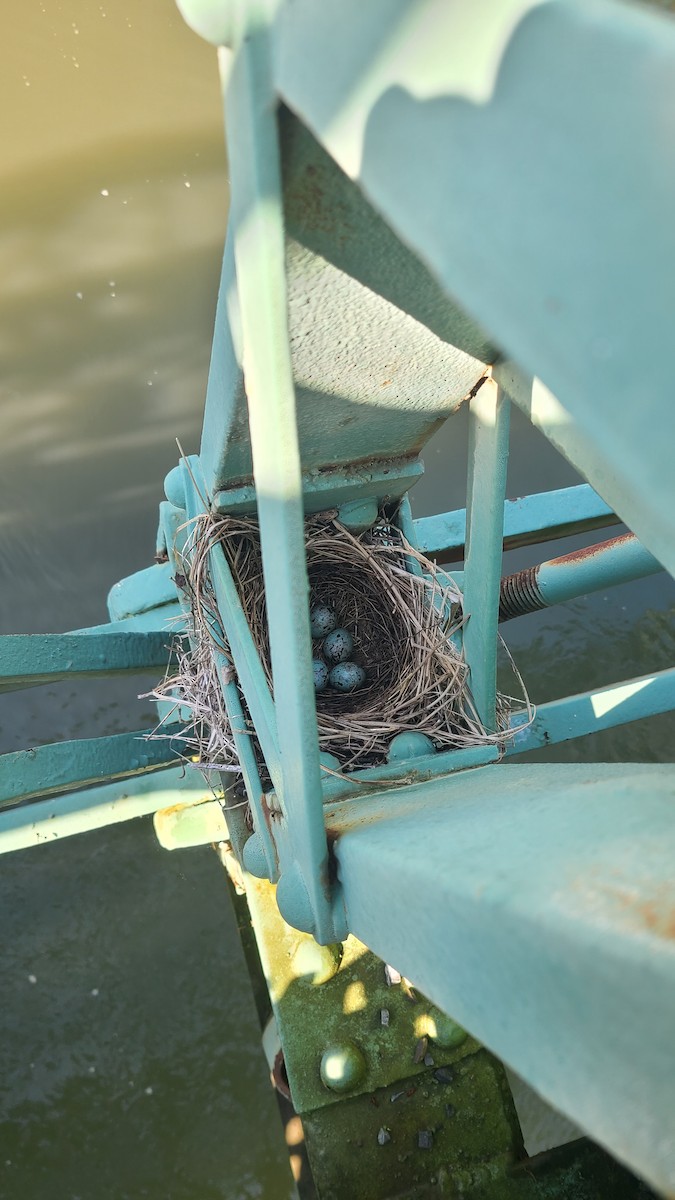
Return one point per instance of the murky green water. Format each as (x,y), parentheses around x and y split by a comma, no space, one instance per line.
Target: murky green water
(130,1057)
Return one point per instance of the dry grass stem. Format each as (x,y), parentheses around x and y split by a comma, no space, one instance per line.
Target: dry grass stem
(403,611)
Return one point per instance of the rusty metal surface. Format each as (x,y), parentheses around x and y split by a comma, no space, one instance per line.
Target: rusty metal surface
(587,553)
(519,594)
(589,569)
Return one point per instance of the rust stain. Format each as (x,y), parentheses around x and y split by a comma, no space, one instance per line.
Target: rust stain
(332,836)
(592,551)
(279,1076)
(174,809)
(636,905)
(267,815)
(656,915)
(311,207)
(519,594)
(330,873)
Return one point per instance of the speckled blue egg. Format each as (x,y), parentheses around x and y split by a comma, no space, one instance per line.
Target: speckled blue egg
(346,676)
(320,674)
(338,646)
(321,620)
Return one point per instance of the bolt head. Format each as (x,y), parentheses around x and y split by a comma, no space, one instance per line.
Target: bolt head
(174,487)
(343,1067)
(315,964)
(444,1031)
(409,745)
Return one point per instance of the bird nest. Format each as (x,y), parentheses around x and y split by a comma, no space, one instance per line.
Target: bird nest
(403,613)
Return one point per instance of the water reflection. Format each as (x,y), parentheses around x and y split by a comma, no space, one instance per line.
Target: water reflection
(131,1067)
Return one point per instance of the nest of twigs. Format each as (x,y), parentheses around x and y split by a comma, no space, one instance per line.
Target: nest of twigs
(402,610)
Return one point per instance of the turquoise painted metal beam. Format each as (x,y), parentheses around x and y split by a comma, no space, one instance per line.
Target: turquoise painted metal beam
(488,456)
(543,516)
(591,569)
(375,780)
(564,432)
(578,300)
(387,404)
(589,712)
(68,766)
(225,409)
(34,658)
(182,826)
(188,484)
(259,253)
(536,905)
(557,721)
(330,489)
(142,591)
(242,734)
(250,672)
(165,620)
(45,821)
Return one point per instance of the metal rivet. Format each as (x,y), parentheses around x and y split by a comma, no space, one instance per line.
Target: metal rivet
(174,487)
(409,745)
(254,856)
(316,964)
(343,1067)
(444,1031)
(293,899)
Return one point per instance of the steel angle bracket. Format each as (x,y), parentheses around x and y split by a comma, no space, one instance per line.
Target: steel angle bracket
(391,1092)
(394,1097)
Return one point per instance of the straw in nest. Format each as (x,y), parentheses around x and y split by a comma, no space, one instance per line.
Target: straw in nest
(403,612)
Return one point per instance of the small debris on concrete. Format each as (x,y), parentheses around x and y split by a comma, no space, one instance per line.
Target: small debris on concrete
(421,1049)
(444,1075)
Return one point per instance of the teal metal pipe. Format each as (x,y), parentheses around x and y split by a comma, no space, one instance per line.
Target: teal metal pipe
(250,677)
(592,569)
(259,253)
(46,821)
(589,712)
(537,518)
(489,412)
(68,766)
(33,658)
